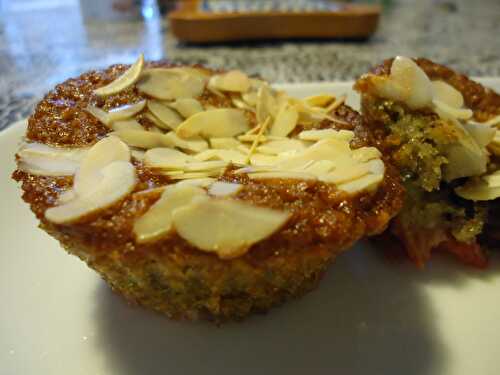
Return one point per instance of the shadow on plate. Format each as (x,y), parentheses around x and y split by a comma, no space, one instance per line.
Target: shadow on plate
(368,316)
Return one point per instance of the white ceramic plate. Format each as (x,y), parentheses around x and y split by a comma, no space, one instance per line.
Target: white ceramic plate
(369,316)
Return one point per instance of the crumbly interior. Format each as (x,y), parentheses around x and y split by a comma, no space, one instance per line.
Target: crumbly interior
(416,142)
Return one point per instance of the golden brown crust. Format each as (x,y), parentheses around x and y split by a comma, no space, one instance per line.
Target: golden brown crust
(324,221)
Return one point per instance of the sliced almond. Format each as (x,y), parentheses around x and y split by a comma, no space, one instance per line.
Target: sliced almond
(205,166)
(345,173)
(285,122)
(320,167)
(157,221)
(252,137)
(482,134)
(224,122)
(366,183)
(226,143)
(116,181)
(494,121)
(196,175)
(447,112)
(238,103)
(283,175)
(278,147)
(126,111)
(170,84)
(317,135)
(226,227)
(230,156)
(99,114)
(168,118)
(127,79)
(481,189)
(266,104)
(100,155)
(127,125)
(193,144)
(321,100)
(234,81)
(200,182)
(250,98)
(363,154)
(224,189)
(327,149)
(447,94)
(143,138)
(40,159)
(187,107)
(336,104)
(413,79)
(261,160)
(166,158)
(493,180)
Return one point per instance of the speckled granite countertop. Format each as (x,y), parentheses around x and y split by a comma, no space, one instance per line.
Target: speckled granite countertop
(41,48)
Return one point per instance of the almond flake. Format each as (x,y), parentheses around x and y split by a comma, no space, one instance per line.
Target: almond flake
(166,158)
(263,160)
(224,189)
(223,122)
(168,118)
(187,107)
(170,84)
(336,104)
(234,81)
(363,154)
(284,175)
(157,221)
(205,166)
(366,183)
(317,135)
(226,227)
(447,112)
(447,94)
(285,121)
(194,144)
(100,155)
(225,143)
(321,100)
(238,103)
(482,134)
(126,111)
(127,79)
(266,104)
(200,182)
(196,175)
(99,114)
(278,147)
(143,138)
(40,159)
(127,125)
(230,156)
(116,181)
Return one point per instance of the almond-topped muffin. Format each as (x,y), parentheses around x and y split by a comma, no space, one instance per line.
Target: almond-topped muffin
(441,130)
(200,193)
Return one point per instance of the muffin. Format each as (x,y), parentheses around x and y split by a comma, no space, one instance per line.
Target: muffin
(202,194)
(441,130)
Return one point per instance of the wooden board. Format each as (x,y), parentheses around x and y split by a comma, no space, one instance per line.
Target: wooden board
(190,22)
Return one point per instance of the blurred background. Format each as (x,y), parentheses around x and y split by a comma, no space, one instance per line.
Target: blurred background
(43,42)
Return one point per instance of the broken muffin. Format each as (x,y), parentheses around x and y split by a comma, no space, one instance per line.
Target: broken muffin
(200,193)
(441,130)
